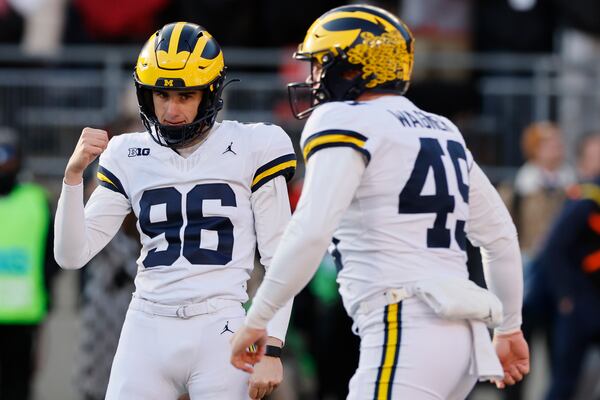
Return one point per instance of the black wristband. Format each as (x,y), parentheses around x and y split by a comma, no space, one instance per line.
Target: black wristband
(273,351)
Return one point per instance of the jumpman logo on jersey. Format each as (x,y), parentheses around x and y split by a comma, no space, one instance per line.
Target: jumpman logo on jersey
(226,329)
(229,149)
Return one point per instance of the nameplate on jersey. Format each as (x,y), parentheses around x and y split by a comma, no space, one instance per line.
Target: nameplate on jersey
(419,119)
(138,151)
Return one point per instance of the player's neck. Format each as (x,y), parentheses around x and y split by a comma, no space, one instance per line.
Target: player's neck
(201,139)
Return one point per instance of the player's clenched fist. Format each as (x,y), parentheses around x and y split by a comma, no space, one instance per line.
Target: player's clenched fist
(90,145)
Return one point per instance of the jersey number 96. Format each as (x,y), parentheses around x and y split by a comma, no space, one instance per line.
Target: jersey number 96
(171,227)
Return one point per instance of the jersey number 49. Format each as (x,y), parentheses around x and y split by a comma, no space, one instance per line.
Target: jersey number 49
(442,202)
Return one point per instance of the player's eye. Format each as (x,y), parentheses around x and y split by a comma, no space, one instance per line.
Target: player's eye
(185,96)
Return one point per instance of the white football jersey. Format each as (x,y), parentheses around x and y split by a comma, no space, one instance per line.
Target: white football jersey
(197,231)
(407,219)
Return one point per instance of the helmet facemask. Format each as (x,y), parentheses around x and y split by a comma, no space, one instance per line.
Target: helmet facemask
(338,81)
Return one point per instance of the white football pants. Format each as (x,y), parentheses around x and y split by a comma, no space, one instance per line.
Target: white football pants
(160,357)
(408,352)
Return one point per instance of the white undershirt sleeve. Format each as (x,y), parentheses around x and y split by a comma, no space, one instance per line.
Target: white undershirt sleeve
(332,177)
(80,233)
(491,228)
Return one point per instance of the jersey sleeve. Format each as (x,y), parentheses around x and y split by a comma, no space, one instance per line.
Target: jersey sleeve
(271,208)
(110,174)
(80,233)
(276,156)
(335,125)
(490,227)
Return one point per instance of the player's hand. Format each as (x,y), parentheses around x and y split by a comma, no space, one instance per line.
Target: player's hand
(90,145)
(247,347)
(513,352)
(267,375)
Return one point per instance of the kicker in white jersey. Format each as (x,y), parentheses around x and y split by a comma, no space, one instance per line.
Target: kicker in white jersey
(194,214)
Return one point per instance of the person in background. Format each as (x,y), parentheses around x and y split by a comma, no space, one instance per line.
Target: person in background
(26,269)
(537,197)
(569,265)
(588,157)
(540,183)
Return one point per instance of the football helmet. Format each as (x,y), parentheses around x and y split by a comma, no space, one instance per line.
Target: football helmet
(180,56)
(353,48)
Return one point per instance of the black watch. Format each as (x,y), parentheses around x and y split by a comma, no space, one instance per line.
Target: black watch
(273,351)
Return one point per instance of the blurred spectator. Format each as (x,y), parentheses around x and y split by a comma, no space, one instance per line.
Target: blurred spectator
(540,183)
(538,195)
(542,146)
(588,156)
(569,268)
(26,267)
(113,21)
(542,306)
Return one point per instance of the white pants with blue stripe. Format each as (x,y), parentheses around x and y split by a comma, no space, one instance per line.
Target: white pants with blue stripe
(408,352)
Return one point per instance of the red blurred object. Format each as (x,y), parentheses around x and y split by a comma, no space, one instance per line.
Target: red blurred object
(119,18)
(294,191)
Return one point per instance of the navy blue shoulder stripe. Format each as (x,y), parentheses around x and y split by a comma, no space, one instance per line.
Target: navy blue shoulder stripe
(335,132)
(335,138)
(110,181)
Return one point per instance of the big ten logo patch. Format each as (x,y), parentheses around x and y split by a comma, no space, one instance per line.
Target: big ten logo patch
(138,151)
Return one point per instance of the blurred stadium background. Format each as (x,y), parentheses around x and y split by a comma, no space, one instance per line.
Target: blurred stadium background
(492,66)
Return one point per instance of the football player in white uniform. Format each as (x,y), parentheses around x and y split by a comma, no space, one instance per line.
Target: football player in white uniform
(399,193)
(206,194)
